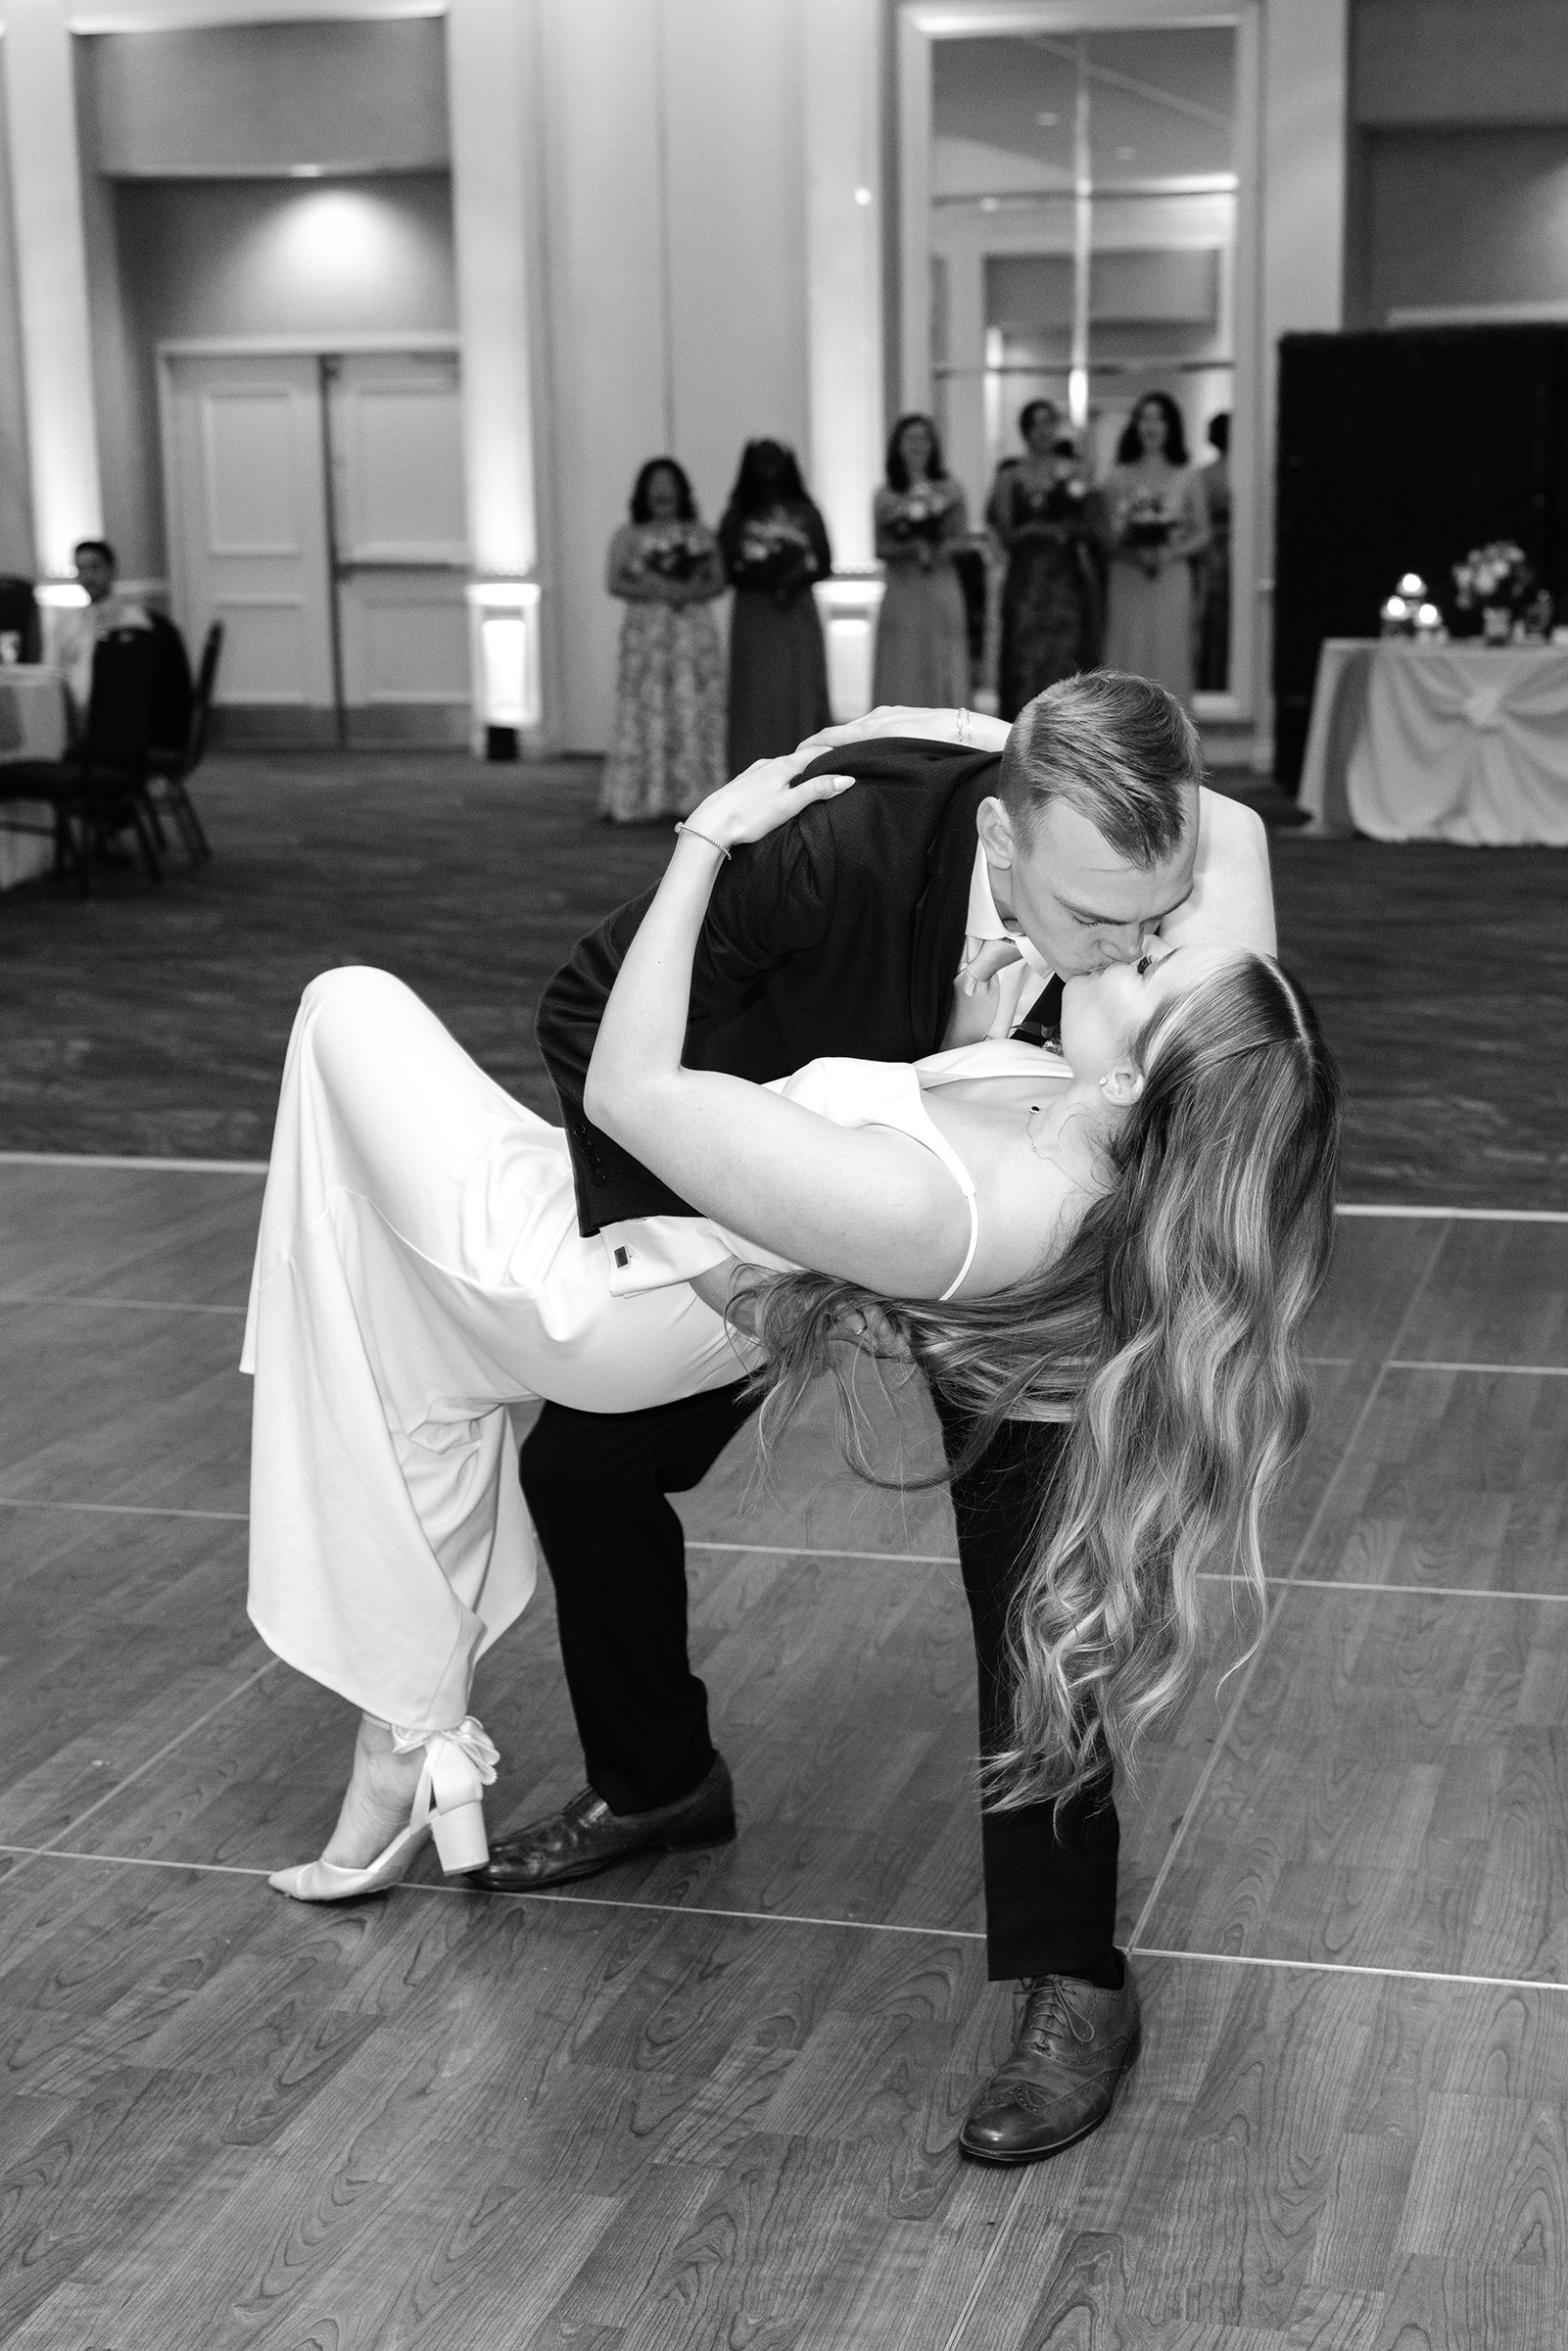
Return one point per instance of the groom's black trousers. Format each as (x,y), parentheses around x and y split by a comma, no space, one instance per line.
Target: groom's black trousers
(597,1487)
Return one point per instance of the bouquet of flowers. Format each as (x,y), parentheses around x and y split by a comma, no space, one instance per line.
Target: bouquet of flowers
(674,551)
(1497,574)
(918,513)
(1064,501)
(774,551)
(1146,521)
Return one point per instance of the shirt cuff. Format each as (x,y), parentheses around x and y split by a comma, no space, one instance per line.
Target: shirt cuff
(653,1252)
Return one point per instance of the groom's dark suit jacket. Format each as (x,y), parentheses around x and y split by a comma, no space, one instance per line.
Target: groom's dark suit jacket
(838,934)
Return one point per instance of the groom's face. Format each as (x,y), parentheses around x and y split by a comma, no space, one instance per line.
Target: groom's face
(1081,902)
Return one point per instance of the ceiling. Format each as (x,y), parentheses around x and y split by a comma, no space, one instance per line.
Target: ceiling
(1162,104)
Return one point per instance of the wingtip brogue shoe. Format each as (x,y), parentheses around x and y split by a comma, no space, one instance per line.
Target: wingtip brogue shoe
(586,1837)
(1057,2085)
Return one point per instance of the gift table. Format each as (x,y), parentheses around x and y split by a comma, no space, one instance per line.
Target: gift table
(1461,742)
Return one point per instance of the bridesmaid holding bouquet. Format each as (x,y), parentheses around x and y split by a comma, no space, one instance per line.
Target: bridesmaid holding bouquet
(923,659)
(775,545)
(667,750)
(1158,522)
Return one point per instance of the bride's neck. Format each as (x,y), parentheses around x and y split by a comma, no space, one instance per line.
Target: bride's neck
(1075,1126)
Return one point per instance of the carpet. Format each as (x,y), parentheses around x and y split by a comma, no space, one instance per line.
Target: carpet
(153,1022)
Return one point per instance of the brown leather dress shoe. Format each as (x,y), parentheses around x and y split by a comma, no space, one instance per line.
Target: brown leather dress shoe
(587,1837)
(1057,2085)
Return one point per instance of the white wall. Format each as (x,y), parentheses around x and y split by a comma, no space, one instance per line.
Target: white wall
(1502,196)
(221,101)
(675,270)
(15,506)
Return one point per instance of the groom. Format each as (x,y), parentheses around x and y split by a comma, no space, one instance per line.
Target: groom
(943,900)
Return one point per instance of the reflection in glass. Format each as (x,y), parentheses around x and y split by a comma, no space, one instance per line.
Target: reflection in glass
(1083,237)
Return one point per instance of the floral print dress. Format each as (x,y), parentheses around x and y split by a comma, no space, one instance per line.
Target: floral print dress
(667,747)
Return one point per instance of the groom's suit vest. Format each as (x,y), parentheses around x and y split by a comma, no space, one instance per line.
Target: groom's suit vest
(837,934)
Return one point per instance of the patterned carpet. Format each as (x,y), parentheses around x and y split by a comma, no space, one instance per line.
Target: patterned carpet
(154,1022)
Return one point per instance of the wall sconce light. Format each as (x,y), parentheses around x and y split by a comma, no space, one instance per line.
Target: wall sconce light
(503,663)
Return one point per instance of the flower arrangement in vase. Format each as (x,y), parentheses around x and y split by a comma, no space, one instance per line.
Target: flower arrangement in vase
(1496,581)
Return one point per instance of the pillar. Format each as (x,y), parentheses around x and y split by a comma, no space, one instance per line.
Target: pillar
(52,281)
(842,126)
(490,80)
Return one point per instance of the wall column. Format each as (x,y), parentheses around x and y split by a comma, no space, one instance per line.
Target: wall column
(52,281)
(842,106)
(1303,142)
(490,78)
(843,266)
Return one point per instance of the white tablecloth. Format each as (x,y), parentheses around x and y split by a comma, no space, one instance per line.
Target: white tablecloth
(33,725)
(1461,742)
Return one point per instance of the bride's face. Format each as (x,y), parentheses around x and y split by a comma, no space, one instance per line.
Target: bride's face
(1103,1012)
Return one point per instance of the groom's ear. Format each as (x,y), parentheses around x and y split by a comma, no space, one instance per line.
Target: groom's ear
(995,829)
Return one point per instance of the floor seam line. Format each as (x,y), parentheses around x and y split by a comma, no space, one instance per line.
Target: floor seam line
(131,1777)
(141,1306)
(1383,1971)
(890,1558)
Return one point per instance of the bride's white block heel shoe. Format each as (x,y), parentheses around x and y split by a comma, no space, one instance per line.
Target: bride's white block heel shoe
(448,1803)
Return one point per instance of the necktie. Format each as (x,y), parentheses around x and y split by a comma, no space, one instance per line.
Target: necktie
(1041,1024)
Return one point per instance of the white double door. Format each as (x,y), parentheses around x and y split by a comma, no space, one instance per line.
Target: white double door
(317,510)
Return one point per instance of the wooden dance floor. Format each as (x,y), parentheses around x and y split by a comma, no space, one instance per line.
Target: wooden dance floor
(713,2100)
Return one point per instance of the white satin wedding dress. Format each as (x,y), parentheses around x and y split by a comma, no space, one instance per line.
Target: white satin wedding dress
(418,1270)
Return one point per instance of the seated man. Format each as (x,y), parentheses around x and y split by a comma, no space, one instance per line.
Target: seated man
(72,632)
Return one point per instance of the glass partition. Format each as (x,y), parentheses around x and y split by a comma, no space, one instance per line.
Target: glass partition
(1083,231)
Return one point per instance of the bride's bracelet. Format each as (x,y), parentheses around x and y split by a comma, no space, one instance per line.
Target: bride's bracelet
(696,835)
(964,730)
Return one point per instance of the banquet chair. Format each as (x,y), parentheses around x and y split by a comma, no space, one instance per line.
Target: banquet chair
(176,757)
(18,614)
(99,788)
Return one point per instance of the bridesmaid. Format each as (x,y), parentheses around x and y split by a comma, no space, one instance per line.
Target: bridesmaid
(775,545)
(1050,521)
(667,748)
(922,657)
(1158,522)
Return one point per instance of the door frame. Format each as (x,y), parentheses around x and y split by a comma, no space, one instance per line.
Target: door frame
(417,342)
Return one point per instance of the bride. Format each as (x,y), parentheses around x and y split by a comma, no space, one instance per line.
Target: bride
(1126,1237)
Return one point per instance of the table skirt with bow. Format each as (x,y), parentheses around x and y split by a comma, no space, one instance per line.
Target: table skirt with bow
(1458,743)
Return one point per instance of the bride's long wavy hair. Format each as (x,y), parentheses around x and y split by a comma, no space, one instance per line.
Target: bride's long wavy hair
(1165,1334)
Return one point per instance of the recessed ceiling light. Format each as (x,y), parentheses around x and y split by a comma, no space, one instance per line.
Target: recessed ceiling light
(988,204)
(1048,121)
(1125,155)
(862,195)
(308,170)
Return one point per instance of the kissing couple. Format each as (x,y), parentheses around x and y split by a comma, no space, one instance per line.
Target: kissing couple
(937,1038)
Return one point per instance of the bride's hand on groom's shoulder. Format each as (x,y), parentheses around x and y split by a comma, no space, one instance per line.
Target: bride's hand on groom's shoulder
(970,730)
(767,794)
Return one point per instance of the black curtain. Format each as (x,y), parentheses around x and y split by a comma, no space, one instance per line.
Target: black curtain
(1399,452)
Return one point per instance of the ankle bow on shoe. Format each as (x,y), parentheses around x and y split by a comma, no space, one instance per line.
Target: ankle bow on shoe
(459,1764)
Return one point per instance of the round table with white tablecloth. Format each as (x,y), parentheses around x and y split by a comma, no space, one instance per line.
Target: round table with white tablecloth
(34,724)
(1460,742)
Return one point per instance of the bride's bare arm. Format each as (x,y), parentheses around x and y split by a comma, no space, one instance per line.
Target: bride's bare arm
(862,1203)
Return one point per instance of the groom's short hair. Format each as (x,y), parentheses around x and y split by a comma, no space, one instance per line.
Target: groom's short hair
(1120,749)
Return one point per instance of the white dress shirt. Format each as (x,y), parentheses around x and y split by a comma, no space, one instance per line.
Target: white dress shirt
(1017,984)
